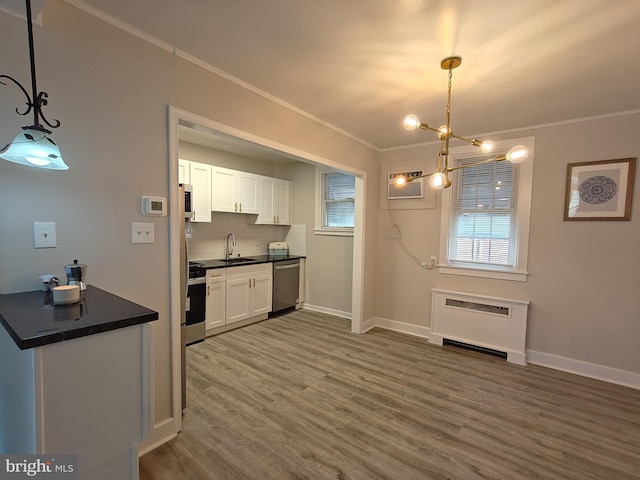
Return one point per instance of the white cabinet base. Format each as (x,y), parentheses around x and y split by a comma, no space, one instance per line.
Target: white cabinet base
(88,397)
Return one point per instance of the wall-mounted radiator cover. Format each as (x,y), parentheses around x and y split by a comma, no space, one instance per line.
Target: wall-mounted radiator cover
(489,322)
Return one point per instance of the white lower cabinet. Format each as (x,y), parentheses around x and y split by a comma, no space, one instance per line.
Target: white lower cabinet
(248,291)
(215,309)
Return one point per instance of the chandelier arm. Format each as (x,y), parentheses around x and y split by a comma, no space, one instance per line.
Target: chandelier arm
(41,102)
(473,141)
(424,126)
(421,176)
(30,104)
(496,159)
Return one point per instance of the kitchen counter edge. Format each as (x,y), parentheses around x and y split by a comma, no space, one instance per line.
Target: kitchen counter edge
(255,260)
(106,312)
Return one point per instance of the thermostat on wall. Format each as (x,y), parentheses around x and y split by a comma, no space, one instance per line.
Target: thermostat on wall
(154,206)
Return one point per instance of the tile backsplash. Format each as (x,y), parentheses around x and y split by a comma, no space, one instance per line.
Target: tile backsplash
(296,238)
(208,239)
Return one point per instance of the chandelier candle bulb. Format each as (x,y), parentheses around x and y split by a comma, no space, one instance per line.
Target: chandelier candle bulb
(518,154)
(411,122)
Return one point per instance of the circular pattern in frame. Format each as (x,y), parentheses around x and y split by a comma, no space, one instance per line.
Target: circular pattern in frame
(598,189)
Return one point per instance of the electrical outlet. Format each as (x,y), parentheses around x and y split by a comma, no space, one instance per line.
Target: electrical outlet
(433,260)
(44,234)
(142,232)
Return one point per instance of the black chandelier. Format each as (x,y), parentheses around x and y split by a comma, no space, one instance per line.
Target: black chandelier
(33,146)
(439,179)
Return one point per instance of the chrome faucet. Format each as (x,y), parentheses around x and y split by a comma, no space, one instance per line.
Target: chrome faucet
(233,244)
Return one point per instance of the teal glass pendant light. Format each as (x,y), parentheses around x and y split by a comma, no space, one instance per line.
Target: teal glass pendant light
(33,146)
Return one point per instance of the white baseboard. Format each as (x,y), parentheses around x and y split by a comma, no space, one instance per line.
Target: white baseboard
(162,433)
(396,326)
(585,369)
(328,311)
(569,365)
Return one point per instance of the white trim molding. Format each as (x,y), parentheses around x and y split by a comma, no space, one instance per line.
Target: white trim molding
(585,369)
(328,311)
(401,327)
(556,362)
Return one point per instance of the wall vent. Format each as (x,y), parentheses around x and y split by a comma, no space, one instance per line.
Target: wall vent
(490,323)
(479,307)
(475,348)
(412,189)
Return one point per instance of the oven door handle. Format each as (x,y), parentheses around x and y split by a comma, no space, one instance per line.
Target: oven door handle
(197,281)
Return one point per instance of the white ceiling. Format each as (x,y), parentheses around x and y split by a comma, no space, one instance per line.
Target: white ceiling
(362,65)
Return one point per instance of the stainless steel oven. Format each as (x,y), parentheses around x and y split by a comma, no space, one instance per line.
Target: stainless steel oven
(196,300)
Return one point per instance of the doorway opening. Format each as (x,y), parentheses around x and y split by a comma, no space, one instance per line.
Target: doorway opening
(225,138)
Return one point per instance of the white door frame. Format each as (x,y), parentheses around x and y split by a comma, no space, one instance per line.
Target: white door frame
(181,117)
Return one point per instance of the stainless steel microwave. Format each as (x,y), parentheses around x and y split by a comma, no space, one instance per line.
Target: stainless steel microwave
(188,202)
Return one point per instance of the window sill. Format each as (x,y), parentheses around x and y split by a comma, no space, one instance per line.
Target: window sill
(485,273)
(335,232)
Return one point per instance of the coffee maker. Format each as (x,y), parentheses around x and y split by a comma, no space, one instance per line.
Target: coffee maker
(76,274)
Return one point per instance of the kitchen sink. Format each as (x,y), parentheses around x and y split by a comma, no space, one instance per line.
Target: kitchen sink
(239,260)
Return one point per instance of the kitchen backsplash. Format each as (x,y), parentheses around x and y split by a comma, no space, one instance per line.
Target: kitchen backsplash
(208,239)
(296,238)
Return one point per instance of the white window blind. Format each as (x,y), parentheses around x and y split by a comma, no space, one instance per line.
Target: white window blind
(484,207)
(338,200)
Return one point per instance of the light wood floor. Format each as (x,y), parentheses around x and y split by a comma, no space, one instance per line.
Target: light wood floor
(300,397)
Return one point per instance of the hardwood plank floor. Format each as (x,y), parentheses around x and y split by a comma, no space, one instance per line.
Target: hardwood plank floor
(300,397)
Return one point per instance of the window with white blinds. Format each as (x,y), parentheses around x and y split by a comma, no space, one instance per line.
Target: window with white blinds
(484,214)
(336,201)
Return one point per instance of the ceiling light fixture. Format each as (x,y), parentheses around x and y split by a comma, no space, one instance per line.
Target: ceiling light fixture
(439,179)
(33,146)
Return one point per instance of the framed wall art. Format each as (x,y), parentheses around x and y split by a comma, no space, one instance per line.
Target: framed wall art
(600,190)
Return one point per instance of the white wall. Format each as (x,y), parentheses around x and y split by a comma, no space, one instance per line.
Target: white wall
(584,276)
(329,258)
(112,91)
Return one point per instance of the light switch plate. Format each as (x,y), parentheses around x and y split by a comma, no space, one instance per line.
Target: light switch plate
(142,232)
(44,234)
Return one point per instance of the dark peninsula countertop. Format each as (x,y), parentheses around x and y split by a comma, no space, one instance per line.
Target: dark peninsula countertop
(248,260)
(33,321)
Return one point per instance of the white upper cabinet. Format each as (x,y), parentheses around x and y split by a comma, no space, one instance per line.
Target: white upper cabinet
(223,189)
(234,191)
(283,194)
(275,202)
(200,180)
(248,186)
(183,172)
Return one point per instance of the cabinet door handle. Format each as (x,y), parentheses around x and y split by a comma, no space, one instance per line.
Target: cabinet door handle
(240,206)
(235,207)
(254,282)
(277,219)
(249,283)
(208,290)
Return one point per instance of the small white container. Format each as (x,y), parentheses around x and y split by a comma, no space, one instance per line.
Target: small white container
(66,294)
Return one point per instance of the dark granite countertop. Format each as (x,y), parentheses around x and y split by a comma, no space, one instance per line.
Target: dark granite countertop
(249,260)
(33,321)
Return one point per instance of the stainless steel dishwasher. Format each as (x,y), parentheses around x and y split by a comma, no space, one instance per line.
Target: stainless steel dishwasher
(286,285)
